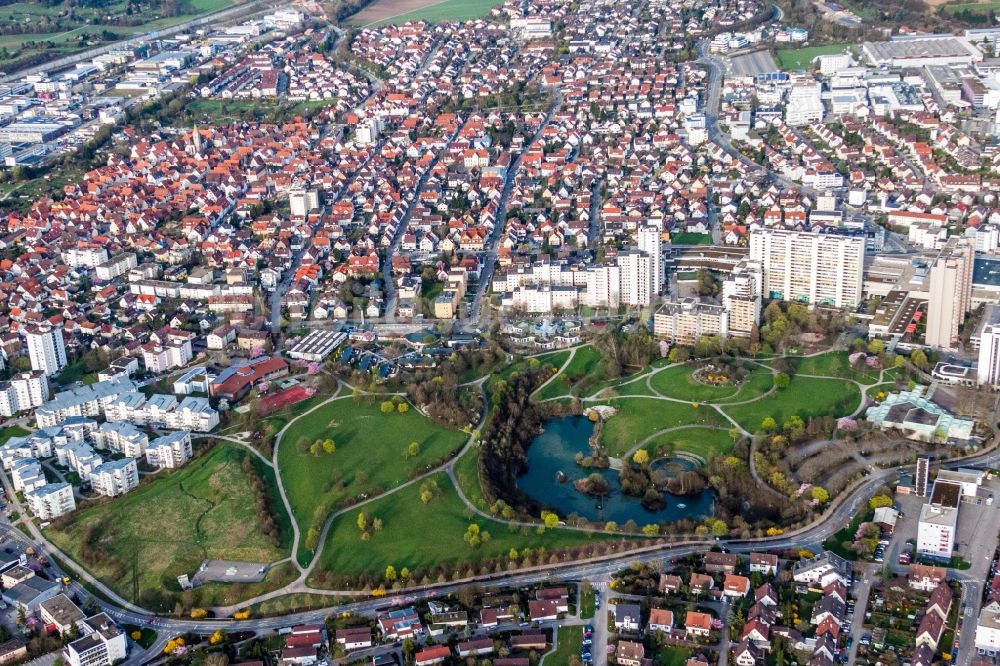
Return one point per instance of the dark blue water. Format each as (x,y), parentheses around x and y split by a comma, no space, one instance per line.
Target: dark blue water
(555,450)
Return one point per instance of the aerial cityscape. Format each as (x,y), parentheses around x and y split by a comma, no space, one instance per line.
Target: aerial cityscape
(499,333)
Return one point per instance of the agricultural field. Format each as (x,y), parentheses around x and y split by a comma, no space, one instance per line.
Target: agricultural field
(371,455)
(424,536)
(801,58)
(168,526)
(386,12)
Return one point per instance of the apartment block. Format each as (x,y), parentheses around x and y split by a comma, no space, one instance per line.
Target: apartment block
(23,392)
(170,451)
(686,321)
(810,267)
(51,500)
(950,292)
(741,297)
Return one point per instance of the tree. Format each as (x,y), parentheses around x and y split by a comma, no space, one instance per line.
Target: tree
(641,457)
(390,573)
(782,380)
(879,501)
(768,424)
(820,494)
(329,446)
(413,450)
(217,637)
(217,658)
(919,358)
(387,407)
(550,519)
(876,346)
(719,528)
(403,407)
(362,521)
(312,538)
(678,355)
(315,448)
(651,530)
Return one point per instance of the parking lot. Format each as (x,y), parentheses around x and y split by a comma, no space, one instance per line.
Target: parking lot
(752,64)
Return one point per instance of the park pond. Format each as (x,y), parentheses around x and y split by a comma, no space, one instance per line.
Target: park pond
(554,451)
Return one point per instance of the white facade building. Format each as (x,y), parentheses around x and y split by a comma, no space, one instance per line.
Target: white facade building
(170,451)
(23,392)
(813,268)
(45,348)
(102,644)
(115,477)
(51,500)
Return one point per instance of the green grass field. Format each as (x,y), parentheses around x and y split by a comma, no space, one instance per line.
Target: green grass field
(585,362)
(833,364)
(467,473)
(805,396)
(422,536)
(673,656)
(638,418)
(679,382)
(569,641)
(12,431)
(690,238)
(448,10)
(802,58)
(168,526)
(371,455)
(706,443)
(973,7)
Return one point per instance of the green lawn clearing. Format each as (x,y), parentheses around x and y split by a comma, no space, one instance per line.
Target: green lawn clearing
(706,443)
(833,364)
(424,536)
(802,58)
(569,641)
(371,455)
(806,397)
(171,524)
(690,238)
(579,372)
(983,8)
(588,601)
(467,473)
(12,431)
(673,656)
(638,418)
(679,382)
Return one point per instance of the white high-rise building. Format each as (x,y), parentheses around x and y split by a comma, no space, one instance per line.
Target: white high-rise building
(650,239)
(950,292)
(741,297)
(636,277)
(813,268)
(988,369)
(603,284)
(45,348)
(115,477)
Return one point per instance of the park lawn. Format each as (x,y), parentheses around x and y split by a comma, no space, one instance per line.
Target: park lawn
(584,363)
(806,397)
(832,364)
(467,473)
(636,388)
(588,601)
(706,443)
(422,536)
(170,525)
(638,418)
(448,10)
(756,384)
(569,643)
(690,238)
(371,455)
(12,431)
(801,58)
(874,390)
(679,382)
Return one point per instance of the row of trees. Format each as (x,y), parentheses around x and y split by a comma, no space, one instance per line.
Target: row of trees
(262,501)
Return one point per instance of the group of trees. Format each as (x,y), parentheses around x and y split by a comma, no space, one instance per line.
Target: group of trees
(621,350)
(319,446)
(368,525)
(263,501)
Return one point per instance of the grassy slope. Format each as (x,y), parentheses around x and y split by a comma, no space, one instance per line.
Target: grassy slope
(679,382)
(420,536)
(805,396)
(705,443)
(833,364)
(585,362)
(173,523)
(638,418)
(370,456)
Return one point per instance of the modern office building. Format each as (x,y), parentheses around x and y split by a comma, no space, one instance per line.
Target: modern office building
(810,267)
(102,644)
(939,521)
(950,292)
(45,348)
